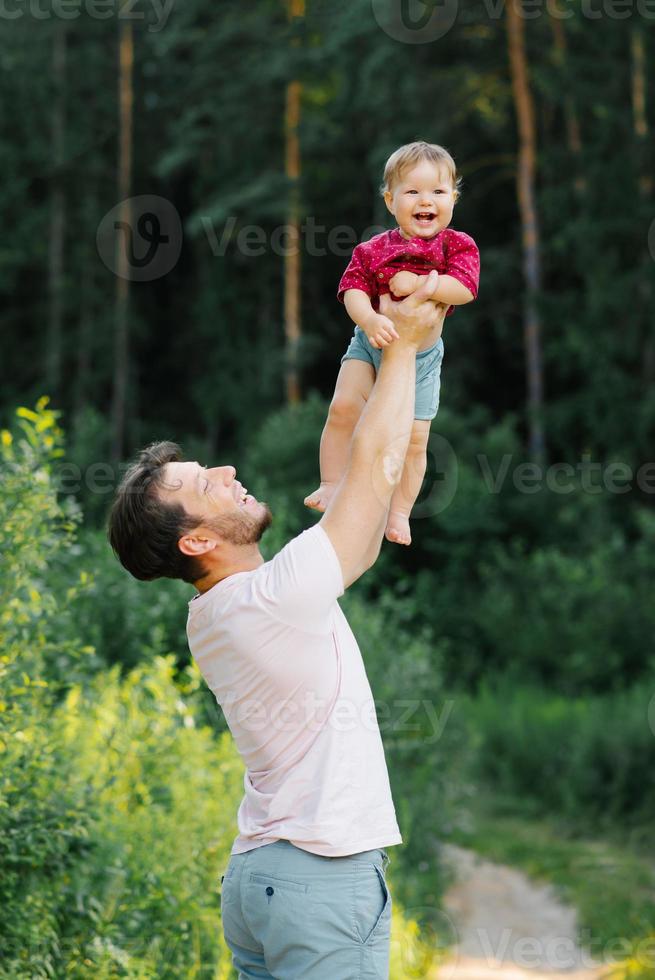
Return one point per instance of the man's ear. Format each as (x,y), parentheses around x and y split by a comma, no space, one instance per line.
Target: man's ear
(196,544)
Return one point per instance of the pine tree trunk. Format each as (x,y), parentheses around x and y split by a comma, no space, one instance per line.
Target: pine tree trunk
(53,367)
(526,174)
(640,119)
(85,326)
(292,260)
(641,133)
(121,308)
(573,132)
(84,335)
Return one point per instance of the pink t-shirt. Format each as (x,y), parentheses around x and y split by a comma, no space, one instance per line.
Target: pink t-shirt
(376,261)
(278,654)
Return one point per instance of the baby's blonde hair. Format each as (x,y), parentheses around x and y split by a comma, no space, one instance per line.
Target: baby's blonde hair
(412,153)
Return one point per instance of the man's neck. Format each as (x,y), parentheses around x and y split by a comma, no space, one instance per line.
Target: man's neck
(245,558)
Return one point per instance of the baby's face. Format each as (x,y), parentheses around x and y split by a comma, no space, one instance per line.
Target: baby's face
(422,201)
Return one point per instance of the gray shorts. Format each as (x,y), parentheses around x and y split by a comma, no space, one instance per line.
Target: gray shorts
(292,915)
(428,371)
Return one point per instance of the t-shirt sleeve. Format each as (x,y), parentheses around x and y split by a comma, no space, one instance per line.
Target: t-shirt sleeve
(301,584)
(463,260)
(357,275)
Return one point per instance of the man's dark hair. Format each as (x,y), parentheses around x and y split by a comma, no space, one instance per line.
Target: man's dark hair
(143,529)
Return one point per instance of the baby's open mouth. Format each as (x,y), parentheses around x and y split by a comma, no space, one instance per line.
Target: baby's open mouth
(425,216)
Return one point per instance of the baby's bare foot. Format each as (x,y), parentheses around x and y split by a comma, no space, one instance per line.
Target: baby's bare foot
(320,499)
(397,530)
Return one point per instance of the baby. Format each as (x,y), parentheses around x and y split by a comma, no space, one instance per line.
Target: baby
(420,190)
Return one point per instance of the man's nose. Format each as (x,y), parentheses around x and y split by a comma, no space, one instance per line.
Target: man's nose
(228,474)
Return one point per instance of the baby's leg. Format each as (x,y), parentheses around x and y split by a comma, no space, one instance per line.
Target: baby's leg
(354,384)
(409,487)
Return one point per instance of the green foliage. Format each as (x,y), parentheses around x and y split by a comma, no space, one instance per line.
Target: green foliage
(127,620)
(281,465)
(573,620)
(590,759)
(211,331)
(165,792)
(639,966)
(43,816)
(84,474)
(35,527)
(138,896)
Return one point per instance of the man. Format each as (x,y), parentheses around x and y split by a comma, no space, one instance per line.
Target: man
(304,895)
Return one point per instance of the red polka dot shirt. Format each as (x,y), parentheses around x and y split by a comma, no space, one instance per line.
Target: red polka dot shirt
(376,261)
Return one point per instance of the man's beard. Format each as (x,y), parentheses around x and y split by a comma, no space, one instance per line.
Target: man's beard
(242,528)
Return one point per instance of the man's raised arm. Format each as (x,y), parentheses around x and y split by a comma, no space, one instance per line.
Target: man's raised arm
(356,516)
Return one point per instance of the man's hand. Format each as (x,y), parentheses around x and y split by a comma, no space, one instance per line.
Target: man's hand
(403,283)
(415,316)
(357,514)
(379,330)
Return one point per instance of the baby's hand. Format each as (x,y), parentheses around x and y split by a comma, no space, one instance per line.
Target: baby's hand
(380,331)
(403,283)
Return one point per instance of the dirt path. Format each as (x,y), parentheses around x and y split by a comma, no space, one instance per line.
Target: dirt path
(509,927)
